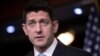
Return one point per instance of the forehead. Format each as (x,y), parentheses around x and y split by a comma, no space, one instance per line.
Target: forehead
(37,15)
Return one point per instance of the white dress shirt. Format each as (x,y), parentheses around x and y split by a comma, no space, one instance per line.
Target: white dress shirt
(49,51)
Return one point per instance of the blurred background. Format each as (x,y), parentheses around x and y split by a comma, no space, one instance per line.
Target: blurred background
(73,16)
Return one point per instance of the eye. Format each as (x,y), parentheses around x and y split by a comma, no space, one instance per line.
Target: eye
(31,23)
(44,22)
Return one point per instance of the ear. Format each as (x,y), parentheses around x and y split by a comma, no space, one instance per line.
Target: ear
(24,28)
(55,25)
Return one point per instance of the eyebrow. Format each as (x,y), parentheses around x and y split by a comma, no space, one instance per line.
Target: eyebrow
(30,20)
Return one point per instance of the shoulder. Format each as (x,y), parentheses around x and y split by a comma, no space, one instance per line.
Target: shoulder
(30,53)
(71,51)
(76,51)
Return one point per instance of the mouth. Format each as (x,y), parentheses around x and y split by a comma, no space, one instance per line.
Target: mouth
(40,38)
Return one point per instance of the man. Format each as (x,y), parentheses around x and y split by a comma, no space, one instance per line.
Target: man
(40,26)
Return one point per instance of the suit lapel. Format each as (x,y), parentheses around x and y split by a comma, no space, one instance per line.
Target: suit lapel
(59,50)
(31,53)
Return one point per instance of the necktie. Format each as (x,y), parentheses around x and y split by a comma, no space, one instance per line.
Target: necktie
(41,54)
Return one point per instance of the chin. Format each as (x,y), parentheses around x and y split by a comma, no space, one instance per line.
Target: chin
(41,45)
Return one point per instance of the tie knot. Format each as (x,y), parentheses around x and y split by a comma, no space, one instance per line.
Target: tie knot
(41,54)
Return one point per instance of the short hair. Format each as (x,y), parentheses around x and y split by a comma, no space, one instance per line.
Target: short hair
(37,6)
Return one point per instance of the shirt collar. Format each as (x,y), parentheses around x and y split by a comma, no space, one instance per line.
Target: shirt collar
(50,50)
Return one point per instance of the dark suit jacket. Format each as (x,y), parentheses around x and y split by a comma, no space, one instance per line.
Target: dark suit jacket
(62,50)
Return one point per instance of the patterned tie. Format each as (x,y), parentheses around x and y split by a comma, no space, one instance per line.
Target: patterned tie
(41,54)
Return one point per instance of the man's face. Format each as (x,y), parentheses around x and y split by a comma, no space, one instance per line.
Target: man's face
(39,28)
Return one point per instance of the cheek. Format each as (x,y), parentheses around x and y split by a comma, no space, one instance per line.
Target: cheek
(48,30)
(30,31)
(30,35)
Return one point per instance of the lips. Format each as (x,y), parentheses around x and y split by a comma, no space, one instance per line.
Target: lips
(39,37)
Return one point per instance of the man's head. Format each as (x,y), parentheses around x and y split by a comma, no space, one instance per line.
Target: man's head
(39,24)
(37,6)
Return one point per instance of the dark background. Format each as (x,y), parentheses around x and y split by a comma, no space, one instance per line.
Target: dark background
(17,44)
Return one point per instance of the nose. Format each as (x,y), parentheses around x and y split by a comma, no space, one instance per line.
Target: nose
(38,28)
